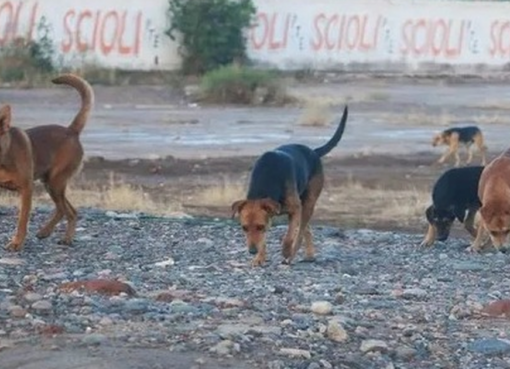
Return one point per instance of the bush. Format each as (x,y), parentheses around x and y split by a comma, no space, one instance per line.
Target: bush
(242,85)
(26,60)
(210,32)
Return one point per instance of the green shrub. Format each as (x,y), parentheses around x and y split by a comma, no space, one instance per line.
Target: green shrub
(28,60)
(242,85)
(211,33)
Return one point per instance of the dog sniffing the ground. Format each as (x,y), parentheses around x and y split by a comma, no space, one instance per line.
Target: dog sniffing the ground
(494,193)
(50,153)
(467,136)
(454,193)
(287,180)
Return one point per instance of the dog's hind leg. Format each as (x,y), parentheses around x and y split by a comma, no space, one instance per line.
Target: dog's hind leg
(56,217)
(470,154)
(309,200)
(480,144)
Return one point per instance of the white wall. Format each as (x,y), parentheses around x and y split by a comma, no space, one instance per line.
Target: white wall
(112,33)
(332,34)
(319,34)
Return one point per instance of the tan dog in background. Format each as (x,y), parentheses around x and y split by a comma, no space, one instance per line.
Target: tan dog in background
(494,194)
(453,137)
(50,153)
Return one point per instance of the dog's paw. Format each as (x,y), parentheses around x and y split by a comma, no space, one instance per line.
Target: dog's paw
(425,244)
(473,250)
(14,246)
(42,234)
(65,242)
(258,262)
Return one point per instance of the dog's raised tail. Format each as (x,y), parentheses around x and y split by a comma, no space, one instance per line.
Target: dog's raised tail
(325,149)
(87,98)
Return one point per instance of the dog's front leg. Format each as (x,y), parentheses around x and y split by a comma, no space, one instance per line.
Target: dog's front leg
(430,237)
(477,242)
(260,258)
(24,212)
(293,235)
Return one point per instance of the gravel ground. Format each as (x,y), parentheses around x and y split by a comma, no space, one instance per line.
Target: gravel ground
(371,300)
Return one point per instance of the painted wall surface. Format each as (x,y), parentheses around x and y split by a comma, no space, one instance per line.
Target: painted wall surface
(319,34)
(115,33)
(340,34)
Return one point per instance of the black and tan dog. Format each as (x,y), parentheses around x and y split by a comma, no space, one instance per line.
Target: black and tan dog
(454,193)
(287,180)
(467,136)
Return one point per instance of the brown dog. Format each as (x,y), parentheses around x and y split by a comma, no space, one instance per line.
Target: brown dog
(288,180)
(494,194)
(453,137)
(50,153)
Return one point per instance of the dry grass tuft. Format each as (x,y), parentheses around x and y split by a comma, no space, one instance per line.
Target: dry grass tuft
(220,196)
(405,206)
(117,195)
(315,115)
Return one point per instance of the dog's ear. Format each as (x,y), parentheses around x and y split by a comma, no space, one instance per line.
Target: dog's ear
(460,213)
(237,206)
(271,206)
(429,213)
(5,119)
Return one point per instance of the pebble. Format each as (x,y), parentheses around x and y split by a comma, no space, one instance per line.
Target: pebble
(373,345)
(336,332)
(222,348)
(42,306)
(296,353)
(414,293)
(321,308)
(32,297)
(17,311)
(94,339)
(490,346)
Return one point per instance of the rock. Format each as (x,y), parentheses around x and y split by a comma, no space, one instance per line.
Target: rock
(322,308)
(42,306)
(94,339)
(414,293)
(136,306)
(490,346)
(225,302)
(165,263)
(51,330)
(326,364)
(500,308)
(339,298)
(467,266)
(17,311)
(222,348)
(336,332)
(11,261)
(101,286)
(405,353)
(32,297)
(276,364)
(296,353)
(373,345)
(314,366)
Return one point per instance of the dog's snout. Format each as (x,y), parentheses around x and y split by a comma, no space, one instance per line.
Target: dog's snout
(252,249)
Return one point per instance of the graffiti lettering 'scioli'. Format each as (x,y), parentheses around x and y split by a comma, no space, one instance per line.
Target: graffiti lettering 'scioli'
(356,32)
(500,39)
(17,20)
(433,38)
(271,31)
(102,31)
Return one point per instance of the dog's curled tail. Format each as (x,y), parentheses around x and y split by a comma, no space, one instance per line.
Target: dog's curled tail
(325,149)
(87,98)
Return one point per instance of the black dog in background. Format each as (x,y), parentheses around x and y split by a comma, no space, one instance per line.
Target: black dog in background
(455,191)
